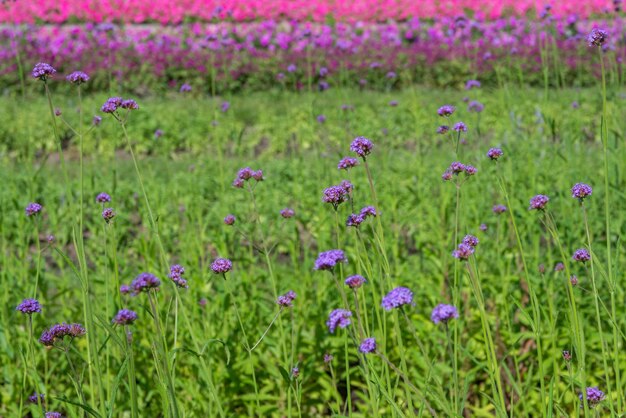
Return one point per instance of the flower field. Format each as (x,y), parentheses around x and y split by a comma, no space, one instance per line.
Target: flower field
(262,212)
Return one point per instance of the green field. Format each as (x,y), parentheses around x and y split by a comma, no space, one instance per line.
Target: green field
(514,323)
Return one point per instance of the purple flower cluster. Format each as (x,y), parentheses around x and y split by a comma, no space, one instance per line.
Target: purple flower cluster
(336,195)
(176,274)
(286,300)
(347,162)
(443,129)
(470,240)
(499,209)
(125,317)
(356,281)
(463,252)
(357,219)
(446,111)
(112,104)
(368,345)
(444,313)
(457,168)
(43,71)
(33,209)
(581,255)
(460,127)
(229,219)
(77,77)
(597,37)
(108,214)
(51,414)
(287,213)
(185,88)
(581,190)
(475,106)
(36,398)
(494,153)
(397,298)
(539,202)
(246,174)
(221,266)
(327,260)
(594,396)
(144,282)
(470,84)
(559,267)
(338,318)
(103,198)
(58,331)
(29,306)
(361,146)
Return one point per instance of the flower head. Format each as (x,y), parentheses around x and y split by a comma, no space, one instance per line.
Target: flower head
(321,118)
(355,220)
(224,107)
(295,372)
(470,84)
(108,214)
(368,345)
(443,313)
(494,153)
(59,331)
(567,356)
(286,300)
(287,213)
(338,318)
(356,281)
(499,209)
(229,219)
(361,146)
(176,274)
(36,398)
(125,289)
(51,414)
(221,266)
(335,195)
(559,267)
(460,127)
(96,120)
(581,255)
(33,209)
(475,106)
(185,88)
(446,110)
(129,104)
(103,198)
(597,37)
(125,317)
(396,298)
(347,162)
(77,77)
(144,282)
(463,252)
(111,105)
(43,71)
(470,240)
(327,260)
(594,396)
(443,129)
(539,202)
(29,306)
(581,190)
(328,358)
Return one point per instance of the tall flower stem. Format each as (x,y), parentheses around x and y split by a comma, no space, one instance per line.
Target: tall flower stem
(132,379)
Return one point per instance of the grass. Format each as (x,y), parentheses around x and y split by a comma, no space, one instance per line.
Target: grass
(506,305)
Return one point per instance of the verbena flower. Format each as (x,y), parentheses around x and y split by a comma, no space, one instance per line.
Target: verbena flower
(475,106)
(286,300)
(287,213)
(29,306)
(581,255)
(129,104)
(446,111)
(125,317)
(176,274)
(443,129)
(185,88)
(597,37)
(221,266)
(581,190)
(321,118)
(368,211)
(335,195)
(347,162)
(559,267)
(396,298)
(494,153)
(539,202)
(51,414)
(77,77)
(295,372)
(145,282)
(125,289)
(354,220)
(327,260)
(338,318)
(224,107)
(36,398)
(356,281)
(470,84)
(229,219)
(393,103)
(573,279)
(483,227)
(108,214)
(33,209)
(594,396)
(111,105)
(59,331)
(463,252)
(499,209)
(361,146)
(567,356)
(470,240)
(328,358)
(443,313)
(103,198)
(460,127)
(43,71)
(96,120)
(368,345)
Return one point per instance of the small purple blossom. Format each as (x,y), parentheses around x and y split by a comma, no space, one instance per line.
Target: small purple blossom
(499,209)
(185,88)
(470,170)
(581,190)
(594,396)
(470,84)
(108,214)
(36,398)
(573,279)
(368,346)
(96,120)
(361,146)
(43,71)
(33,209)
(286,300)
(176,275)
(103,198)
(581,255)
(470,240)
(221,266)
(51,414)
(443,129)
(59,331)
(125,289)
(539,202)
(29,306)
(224,107)
(129,104)
(335,195)
(567,356)
(368,211)
(77,77)
(229,219)
(327,260)
(124,317)
(328,358)
(355,220)
(295,372)
(347,163)
(111,105)
(356,281)
(321,118)
(559,267)
(397,298)
(460,127)
(287,213)
(446,111)
(475,106)
(145,282)
(338,318)
(463,252)
(443,313)
(597,37)
(494,153)
(483,227)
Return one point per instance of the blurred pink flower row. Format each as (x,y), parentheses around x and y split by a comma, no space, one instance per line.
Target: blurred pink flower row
(177,11)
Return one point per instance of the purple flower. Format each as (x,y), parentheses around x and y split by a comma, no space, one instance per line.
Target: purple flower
(108,214)
(594,396)
(327,260)
(361,146)
(463,252)
(328,358)
(229,219)
(33,209)
(245,173)
(59,331)
(443,129)
(460,127)
(96,120)
(390,75)
(323,85)
(443,313)
(258,175)
(221,266)
(499,209)
(29,306)
(57,112)
(559,267)
(347,162)
(287,213)
(103,198)
(470,84)
(494,153)
(43,71)
(77,77)
(355,220)
(597,37)
(323,72)
(539,202)
(368,211)
(292,68)
(295,372)
(224,107)
(129,104)
(111,104)
(37,398)
(185,88)
(238,183)
(446,110)
(158,133)
(567,356)
(286,300)
(447,175)
(144,282)
(475,106)
(470,170)
(581,255)
(176,274)
(338,318)
(398,297)
(456,167)
(581,190)
(124,289)
(50,414)
(368,345)
(393,103)
(470,240)
(321,118)
(483,227)
(573,280)
(125,317)
(335,195)
(356,281)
